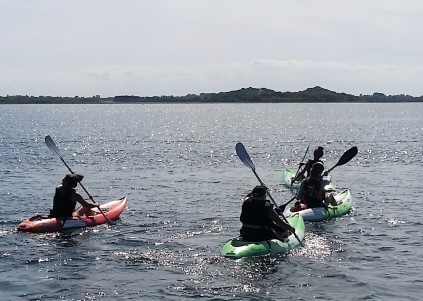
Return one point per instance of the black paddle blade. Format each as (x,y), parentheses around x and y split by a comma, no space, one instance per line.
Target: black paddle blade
(243,155)
(348,155)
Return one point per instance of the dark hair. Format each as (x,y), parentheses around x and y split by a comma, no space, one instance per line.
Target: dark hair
(73,179)
(318,150)
(259,191)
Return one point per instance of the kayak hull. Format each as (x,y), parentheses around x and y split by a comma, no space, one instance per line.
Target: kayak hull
(236,248)
(287,175)
(344,200)
(43,224)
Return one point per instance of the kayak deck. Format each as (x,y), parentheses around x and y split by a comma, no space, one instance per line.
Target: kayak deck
(44,223)
(287,176)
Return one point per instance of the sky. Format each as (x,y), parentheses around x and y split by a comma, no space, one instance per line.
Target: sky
(179,47)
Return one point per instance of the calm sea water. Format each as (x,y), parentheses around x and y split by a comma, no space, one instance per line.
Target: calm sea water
(178,167)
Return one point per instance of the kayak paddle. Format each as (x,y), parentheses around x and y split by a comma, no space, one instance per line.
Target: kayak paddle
(52,146)
(245,158)
(345,158)
(298,170)
(282,207)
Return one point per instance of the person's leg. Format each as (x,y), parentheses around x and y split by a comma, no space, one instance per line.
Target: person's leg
(280,234)
(330,199)
(83,211)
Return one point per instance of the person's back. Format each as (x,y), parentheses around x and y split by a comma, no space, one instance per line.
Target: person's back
(311,190)
(66,197)
(63,202)
(317,155)
(259,219)
(256,224)
(306,171)
(312,193)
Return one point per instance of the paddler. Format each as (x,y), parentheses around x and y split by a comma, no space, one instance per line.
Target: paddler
(66,198)
(305,172)
(312,192)
(259,219)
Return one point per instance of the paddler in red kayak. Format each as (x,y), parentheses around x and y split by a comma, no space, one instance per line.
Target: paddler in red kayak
(66,198)
(259,219)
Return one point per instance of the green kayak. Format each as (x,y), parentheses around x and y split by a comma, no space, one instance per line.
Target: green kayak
(288,174)
(237,248)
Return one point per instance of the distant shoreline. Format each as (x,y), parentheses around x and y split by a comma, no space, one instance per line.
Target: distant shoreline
(244,95)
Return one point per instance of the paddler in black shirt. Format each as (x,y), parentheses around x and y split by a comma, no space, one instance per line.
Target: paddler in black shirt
(305,172)
(259,219)
(66,198)
(312,189)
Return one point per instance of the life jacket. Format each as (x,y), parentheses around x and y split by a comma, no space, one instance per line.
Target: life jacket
(310,164)
(254,213)
(63,202)
(311,189)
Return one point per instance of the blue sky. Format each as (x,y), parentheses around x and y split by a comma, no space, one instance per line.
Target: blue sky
(178,47)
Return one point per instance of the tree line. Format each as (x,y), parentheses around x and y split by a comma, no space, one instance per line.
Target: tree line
(244,95)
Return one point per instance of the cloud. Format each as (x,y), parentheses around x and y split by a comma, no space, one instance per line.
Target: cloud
(179,47)
(150,80)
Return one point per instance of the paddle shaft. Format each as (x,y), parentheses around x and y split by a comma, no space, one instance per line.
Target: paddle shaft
(298,170)
(282,207)
(52,146)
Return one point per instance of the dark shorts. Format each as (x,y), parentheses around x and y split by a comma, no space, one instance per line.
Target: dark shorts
(249,234)
(60,214)
(315,204)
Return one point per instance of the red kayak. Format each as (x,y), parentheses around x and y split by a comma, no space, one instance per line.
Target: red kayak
(43,223)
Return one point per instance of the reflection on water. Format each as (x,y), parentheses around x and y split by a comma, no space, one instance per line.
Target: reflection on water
(316,247)
(178,166)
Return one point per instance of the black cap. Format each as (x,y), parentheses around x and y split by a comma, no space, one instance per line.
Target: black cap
(259,191)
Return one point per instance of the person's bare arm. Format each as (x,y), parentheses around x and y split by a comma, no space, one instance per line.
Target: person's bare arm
(83,202)
(301,174)
(279,222)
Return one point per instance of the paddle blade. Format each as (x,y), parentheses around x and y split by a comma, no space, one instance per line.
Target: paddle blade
(243,156)
(282,207)
(51,145)
(347,156)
